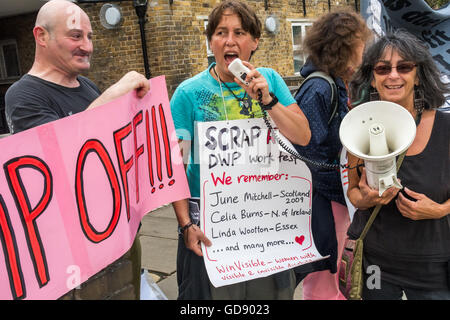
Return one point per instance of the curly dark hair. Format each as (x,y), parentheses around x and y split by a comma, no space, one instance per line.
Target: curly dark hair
(409,48)
(249,20)
(331,39)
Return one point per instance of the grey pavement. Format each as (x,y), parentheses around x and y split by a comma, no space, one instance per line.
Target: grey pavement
(159,241)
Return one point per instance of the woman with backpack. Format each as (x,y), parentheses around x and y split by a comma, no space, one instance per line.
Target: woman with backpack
(335,44)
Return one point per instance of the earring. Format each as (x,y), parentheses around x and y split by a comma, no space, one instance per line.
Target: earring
(419,100)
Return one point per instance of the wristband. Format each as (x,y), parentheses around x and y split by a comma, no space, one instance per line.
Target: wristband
(269,106)
(186,226)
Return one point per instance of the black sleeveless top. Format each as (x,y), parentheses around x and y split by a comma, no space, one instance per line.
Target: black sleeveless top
(414,253)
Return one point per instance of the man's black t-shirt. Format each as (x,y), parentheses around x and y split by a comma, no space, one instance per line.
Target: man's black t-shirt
(32,101)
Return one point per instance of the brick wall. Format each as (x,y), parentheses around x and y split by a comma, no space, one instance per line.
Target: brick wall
(116,51)
(175,42)
(20,29)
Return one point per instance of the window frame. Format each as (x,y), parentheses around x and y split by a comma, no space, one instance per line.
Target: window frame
(209,53)
(303,23)
(4,78)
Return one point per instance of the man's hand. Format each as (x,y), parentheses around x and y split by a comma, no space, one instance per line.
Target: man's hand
(130,81)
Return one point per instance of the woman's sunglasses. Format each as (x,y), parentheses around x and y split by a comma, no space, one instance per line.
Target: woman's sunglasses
(385,69)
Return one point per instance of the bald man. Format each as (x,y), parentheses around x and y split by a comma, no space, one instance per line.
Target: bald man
(54,88)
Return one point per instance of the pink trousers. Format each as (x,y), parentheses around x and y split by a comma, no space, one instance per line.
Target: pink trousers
(324,285)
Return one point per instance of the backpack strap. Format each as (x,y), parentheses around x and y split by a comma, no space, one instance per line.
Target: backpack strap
(334,100)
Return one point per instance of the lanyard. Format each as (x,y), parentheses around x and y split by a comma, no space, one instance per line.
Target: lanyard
(245,103)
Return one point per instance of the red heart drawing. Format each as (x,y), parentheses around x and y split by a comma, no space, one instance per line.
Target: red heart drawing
(300,239)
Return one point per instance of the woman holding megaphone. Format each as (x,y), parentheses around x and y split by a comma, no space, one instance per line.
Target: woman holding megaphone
(409,240)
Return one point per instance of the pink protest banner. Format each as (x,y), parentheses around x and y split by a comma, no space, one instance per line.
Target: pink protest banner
(73,192)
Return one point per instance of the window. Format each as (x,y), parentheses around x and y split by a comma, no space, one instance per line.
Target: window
(209,52)
(9,60)
(299,28)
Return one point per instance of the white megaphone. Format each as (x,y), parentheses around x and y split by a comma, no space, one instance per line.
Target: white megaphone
(377,132)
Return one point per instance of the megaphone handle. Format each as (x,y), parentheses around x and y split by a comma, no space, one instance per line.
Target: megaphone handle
(387,182)
(378,207)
